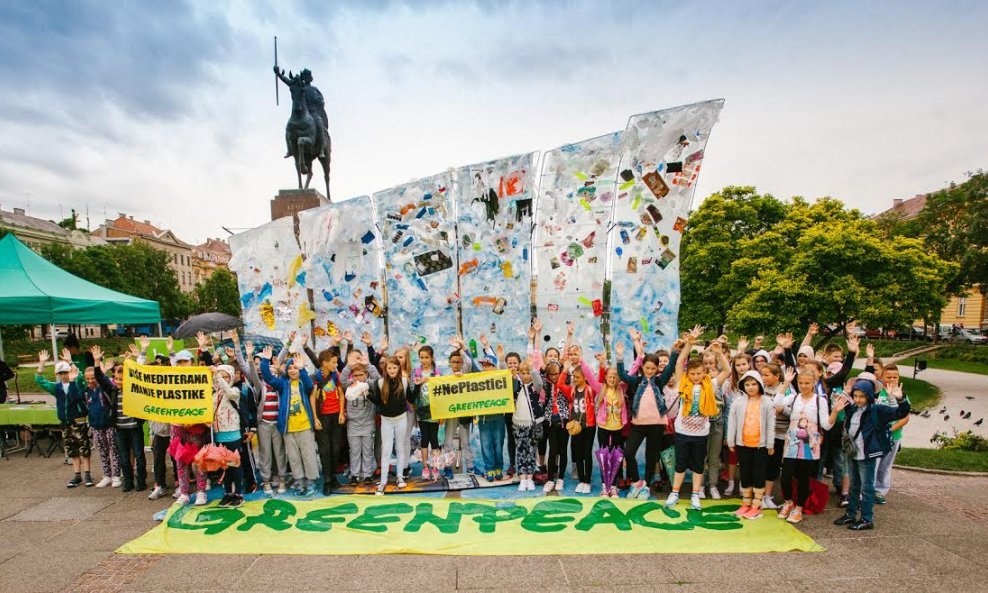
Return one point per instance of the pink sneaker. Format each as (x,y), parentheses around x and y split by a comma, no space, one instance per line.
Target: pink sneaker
(742,511)
(787,508)
(753,513)
(426,473)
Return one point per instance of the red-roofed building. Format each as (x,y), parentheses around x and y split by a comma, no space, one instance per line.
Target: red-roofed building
(209,257)
(124,229)
(905,209)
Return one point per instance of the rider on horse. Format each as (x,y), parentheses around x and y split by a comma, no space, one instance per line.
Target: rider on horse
(313,99)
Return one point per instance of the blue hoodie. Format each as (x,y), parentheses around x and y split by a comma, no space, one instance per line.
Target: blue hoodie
(876,420)
(284,388)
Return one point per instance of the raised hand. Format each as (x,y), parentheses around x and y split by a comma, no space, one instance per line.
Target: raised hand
(170,344)
(853,341)
(537,324)
(743,344)
(895,390)
(348,336)
(235,337)
(619,350)
(814,329)
(842,402)
(230,352)
(384,344)
(758,342)
(145,343)
(636,336)
(43,357)
(97,353)
(249,348)
(679,344)
(716,346)
(694,334)
(870,350)
(570,328)
(366,338)
(789,375)
(267,352)
(531,334)
(132,351)
(500,352)
(202,340)
(601,358)
(73,373)
(66,355)
(484,341)
(305,339)
(291,336)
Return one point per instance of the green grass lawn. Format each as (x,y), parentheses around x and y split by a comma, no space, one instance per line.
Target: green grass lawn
(953,460)
(949,364)
(25,380)
(923,395)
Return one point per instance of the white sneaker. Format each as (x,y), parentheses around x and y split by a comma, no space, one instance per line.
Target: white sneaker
(177,493)
(549,485)
(559,485)
(183,499)
(106,481)
(201,498)
(695,502)
(531,485)
(282,488)
(714,493)
(768,503)
(522,485)
(157,493)
(117,482)
(673,499)
(731,489)
(701,494)
(267,488)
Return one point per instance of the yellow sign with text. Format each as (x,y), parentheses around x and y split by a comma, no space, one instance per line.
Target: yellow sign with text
(176,395)
(476,394)
(357,524)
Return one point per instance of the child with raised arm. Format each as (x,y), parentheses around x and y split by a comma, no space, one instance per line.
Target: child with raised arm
(581,391)
(868,426)
(751,433)
(70,403)
(295,420)
(808,417)
(651,410)
(526,423)
(697,405)
(611,409)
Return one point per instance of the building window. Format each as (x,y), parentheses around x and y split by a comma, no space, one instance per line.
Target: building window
(961,306)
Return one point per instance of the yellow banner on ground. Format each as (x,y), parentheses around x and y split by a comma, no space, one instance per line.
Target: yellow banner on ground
(405,524)
(476,394)
(176,395)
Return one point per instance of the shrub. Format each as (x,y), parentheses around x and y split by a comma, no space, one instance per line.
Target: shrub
(961,441)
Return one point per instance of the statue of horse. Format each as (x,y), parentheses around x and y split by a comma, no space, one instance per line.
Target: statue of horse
(306,136)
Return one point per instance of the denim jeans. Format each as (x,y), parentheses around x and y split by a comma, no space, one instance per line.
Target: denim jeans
(862,485)
(833,457)
(883,470)
(492,442)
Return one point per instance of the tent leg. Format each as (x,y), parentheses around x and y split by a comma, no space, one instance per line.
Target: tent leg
(1,343)
(160,335)
(54,346)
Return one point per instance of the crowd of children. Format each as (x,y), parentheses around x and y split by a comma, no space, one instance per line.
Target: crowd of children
(753,416)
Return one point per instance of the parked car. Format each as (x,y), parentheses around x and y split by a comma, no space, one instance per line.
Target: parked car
(60,334)
(916,333)
(880,333)
(971,336)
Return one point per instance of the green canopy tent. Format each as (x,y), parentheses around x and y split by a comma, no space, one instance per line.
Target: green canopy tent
(35,291)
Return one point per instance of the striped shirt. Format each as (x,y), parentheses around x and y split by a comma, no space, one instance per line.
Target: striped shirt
(123,421)
(269,409)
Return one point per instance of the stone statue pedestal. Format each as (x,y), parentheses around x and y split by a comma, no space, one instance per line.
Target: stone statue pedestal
(289,202)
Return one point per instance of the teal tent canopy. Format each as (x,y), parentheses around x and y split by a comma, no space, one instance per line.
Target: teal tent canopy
(35,291)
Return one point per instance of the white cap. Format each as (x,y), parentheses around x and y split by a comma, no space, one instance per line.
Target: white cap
(62,367)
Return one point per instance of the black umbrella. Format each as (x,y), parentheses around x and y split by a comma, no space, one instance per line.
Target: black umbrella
(208,323)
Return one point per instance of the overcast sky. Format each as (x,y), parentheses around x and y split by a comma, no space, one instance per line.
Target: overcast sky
(166,110)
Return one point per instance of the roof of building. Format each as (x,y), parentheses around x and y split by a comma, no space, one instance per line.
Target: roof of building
(127,224)
(905,209)
(218,246)
(19,219)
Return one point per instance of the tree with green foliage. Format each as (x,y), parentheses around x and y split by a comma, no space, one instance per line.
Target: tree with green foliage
(136,269)
(709,247)
(219,292)
(954,225)
(805,262)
